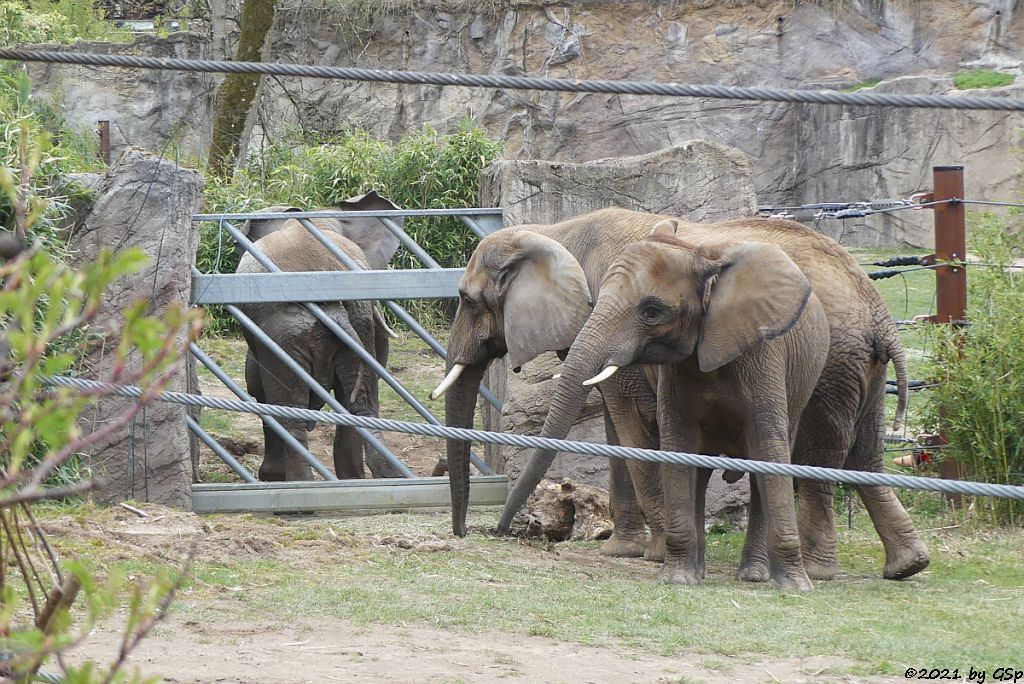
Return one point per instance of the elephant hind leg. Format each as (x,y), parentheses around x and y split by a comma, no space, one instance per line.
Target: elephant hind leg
(905,553)
(267,381)
(825,439)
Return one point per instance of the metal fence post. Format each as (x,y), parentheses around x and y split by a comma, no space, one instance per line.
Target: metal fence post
(103,130)
(950,274)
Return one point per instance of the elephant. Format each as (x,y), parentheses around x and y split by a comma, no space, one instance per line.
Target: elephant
(378,244)
(739,339)
(292,248)
(527,290)
(842,426)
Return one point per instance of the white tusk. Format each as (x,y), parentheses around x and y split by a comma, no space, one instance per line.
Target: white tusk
(602,376)
(379,315)
(556,376)
(449,379)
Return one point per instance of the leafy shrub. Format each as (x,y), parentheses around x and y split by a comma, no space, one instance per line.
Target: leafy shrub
(58,152)
(979,392)
(982,78)
(427,170)
(59,21)
(42,303)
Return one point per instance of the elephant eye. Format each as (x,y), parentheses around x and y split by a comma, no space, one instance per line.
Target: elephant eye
(652,308)
(466,299)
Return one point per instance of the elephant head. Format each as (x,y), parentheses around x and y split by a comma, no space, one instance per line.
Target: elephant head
(373,238)
(522,294)
(664,301)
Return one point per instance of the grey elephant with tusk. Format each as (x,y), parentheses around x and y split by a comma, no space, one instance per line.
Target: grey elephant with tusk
(739,339)
(842,425)
(529,289)
(292,248)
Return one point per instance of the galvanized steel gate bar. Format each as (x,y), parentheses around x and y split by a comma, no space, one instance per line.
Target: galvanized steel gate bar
(306,288)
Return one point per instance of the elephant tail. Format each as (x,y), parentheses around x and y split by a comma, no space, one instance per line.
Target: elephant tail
(895,352)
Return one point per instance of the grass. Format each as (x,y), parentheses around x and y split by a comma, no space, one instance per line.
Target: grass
(982,78)
(869,83)
(339,568)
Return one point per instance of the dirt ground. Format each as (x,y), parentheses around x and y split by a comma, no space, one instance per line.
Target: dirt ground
(243,646)
(231,652)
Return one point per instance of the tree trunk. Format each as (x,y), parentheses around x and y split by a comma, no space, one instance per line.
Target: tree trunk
(237,93)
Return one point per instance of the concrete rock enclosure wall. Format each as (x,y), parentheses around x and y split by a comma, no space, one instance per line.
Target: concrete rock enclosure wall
(697,180)
(145,202)
(164,111)
(861,153)
(799,153)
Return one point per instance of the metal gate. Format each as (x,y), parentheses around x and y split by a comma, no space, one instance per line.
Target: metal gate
(430,282)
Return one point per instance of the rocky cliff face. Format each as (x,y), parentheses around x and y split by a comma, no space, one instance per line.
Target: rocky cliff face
(799,153)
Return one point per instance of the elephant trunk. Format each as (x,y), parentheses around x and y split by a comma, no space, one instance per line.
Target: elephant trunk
(459,408)
(585,360)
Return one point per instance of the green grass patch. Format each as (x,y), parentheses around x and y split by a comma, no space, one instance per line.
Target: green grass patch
(869,83)
(982,78)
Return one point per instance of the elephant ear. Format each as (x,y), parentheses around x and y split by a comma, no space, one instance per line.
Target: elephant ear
(377,242)
(546,299)
(757,294)
(665,228)
(256,228)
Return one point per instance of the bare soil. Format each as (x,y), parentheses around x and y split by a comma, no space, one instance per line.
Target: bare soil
(240,652)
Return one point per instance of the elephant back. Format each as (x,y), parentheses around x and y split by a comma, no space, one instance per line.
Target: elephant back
(293,249)
(376,242)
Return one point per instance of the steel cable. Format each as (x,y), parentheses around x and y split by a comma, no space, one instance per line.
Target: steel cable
(853,477)
(521,82)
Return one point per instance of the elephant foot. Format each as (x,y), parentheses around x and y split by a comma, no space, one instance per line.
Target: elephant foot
(821,570)
(796,580)
(752,571)
(624,546)
(270,475)
(655,550)
(680,573)
(911,561)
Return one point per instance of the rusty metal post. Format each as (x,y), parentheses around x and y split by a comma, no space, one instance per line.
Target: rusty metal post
(950,279)
(104,132)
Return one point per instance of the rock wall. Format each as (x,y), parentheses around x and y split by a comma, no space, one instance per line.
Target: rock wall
(168,112)
(865,153)
(799,153)
(698,180)
(145,202)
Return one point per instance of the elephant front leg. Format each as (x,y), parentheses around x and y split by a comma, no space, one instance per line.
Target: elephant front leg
(348,454)
(785,564)
(817,522)
(683,555)
(754,560)
(636,493)
(629,539)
